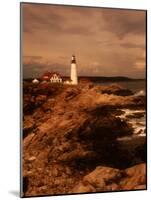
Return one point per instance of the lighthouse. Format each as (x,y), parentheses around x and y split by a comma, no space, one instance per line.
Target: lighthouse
(74,77)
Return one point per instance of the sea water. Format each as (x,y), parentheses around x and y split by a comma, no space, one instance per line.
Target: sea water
(134,86)
(138,123)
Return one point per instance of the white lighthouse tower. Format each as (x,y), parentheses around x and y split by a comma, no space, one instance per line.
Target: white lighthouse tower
(74,77)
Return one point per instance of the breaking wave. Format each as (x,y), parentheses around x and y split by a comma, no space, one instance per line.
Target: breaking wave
(140,93)
(137,119)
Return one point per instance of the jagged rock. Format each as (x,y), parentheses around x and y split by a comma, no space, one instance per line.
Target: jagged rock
(28,124)
(83,188)
(116,89)
(74,129)
(135,177)
(76,155)
(32,158)
(103,177)
(40,99)
(140,187)
(110,179)
(71,93)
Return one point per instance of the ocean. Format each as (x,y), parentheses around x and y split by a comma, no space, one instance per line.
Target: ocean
(135,117)
(135,86)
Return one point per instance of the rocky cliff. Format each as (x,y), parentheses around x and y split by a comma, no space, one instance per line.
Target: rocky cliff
(70,140)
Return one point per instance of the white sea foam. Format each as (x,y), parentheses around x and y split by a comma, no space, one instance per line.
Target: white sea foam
(138,124)
(140,93)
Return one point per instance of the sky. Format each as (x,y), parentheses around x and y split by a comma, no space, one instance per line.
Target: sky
(106,42)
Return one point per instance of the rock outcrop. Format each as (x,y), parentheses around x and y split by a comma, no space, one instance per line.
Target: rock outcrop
(68,132)
(116,90)
(110,179)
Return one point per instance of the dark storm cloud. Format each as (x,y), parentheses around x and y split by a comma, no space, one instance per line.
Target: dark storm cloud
(50,18)
(130,45)
(107,42)
(32,57)
(126,45)
(123,22)
(35,66)
(79,30)
(40,18)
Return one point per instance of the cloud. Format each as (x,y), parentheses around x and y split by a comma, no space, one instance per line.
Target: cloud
(27,58)
(35,66)
(140,65)
(41,17)
(123,22)
(107,42)
(132,45)
(141,62)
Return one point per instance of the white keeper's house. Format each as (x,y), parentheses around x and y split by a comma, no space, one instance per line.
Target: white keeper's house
(53,77)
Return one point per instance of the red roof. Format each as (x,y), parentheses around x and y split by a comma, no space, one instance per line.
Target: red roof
(48,75)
